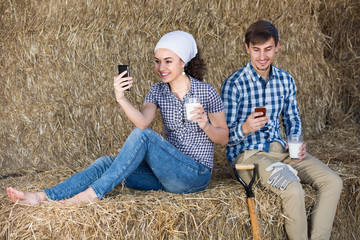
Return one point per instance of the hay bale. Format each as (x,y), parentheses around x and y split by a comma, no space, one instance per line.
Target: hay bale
(58,61)
(340,23)
(59,113)
(220,212)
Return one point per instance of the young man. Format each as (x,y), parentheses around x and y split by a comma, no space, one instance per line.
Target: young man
(256,139)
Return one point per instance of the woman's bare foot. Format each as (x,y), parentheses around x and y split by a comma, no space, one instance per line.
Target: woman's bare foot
(84,197)
(26,198)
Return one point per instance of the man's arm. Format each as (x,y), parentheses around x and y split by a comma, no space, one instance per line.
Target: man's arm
(230,95)
(290,114)
(239,126)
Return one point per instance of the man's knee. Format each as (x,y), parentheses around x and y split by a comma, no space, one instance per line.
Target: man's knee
(293,191)
(335,182)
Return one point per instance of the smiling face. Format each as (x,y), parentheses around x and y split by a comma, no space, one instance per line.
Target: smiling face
(168,65)
(262,55)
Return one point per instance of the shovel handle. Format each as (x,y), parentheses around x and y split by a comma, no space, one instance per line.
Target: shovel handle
(244,166)
(253,218)
(250,197)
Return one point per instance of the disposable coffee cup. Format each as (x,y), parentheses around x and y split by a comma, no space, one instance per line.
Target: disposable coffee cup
(294,142)
(190,104)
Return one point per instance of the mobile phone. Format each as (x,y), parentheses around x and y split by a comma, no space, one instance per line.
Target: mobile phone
(122,68)
(261,109)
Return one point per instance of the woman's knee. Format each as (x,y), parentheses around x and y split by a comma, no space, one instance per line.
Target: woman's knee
(146,133)
(137,132)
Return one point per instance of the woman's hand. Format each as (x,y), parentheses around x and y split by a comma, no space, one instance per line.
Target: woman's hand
(200,117)
(119,85)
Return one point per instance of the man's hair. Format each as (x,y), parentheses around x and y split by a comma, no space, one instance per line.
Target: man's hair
(260,32)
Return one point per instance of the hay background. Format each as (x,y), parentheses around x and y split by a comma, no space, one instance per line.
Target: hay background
(58,111)
(58,59)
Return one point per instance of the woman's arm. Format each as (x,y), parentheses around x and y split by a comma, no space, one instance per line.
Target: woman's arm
(218,130)
(141,119)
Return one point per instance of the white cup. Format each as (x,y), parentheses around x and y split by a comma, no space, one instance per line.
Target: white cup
(294,142)
(190,104)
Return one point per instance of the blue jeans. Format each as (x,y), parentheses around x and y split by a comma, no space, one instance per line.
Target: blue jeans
(146,161)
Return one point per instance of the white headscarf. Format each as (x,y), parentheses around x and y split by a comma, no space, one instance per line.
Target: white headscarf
(179,42)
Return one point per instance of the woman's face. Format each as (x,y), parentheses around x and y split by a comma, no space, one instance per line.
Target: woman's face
(168,65)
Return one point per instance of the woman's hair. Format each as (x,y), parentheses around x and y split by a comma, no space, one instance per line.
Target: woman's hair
(196,67)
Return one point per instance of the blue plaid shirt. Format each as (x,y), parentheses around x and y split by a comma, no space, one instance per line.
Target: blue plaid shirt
(186,136)
(244,90)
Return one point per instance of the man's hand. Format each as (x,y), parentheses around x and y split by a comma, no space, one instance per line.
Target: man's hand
(253,124)
(302,153)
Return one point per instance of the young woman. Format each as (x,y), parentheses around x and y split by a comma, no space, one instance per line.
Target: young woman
(181,163)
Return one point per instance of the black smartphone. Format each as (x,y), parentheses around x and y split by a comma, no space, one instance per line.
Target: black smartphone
(122,68)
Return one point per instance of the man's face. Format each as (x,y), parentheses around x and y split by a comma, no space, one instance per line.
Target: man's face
(262,55)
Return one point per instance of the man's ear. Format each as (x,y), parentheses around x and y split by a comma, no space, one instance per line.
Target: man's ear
(247,48)
(277,47)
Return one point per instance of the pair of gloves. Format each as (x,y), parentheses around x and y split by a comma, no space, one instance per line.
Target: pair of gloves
(282,174)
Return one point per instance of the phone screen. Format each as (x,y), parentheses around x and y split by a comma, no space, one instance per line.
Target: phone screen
(122,68)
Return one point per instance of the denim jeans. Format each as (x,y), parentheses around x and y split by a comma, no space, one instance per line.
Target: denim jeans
(146,161)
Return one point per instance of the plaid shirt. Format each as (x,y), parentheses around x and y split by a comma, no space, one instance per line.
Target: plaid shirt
(186,136)
(244,90)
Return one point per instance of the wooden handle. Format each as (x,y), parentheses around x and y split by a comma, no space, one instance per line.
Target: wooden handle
(253,218)
(244,166)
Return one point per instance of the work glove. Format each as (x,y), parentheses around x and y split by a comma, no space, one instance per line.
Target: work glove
(282,174)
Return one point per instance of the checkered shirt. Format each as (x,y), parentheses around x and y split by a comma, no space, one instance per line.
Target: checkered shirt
(244,90)
(186,136)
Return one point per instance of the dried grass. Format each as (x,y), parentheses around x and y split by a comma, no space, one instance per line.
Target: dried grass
(340,21)
(59,113)
(59,57)
(220,212)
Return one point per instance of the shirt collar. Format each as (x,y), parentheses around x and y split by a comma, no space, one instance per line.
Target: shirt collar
(166,87)
(192,85)
(255,76)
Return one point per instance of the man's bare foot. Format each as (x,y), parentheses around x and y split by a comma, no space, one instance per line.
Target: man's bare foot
(26,198)
(84,197)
